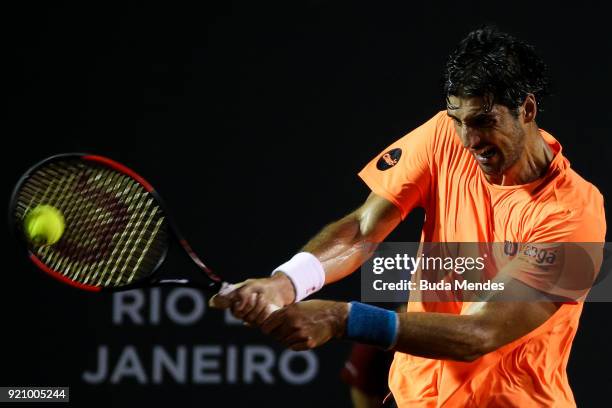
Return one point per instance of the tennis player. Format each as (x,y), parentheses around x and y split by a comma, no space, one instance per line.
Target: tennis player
(484,172)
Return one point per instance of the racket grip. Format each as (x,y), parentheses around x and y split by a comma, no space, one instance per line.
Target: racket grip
(226,288)
(271,309)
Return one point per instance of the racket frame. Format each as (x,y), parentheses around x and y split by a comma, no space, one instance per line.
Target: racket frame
(207,279)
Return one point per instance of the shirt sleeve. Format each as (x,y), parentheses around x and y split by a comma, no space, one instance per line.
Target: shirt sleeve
(402,173)
(563,255)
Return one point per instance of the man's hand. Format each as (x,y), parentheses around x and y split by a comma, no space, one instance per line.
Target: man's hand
(254,299)
(308,324)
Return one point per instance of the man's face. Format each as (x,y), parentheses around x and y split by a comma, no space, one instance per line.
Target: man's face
(495,137)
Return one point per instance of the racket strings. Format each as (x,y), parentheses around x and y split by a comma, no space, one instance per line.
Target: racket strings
(115,231)
(135,227)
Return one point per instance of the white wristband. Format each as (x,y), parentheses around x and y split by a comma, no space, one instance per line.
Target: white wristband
(305,272)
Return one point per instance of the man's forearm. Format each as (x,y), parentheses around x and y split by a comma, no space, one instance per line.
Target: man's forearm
(344,245)
(485,327)
(424,334)
(341,247)
(444,336)
(311,323)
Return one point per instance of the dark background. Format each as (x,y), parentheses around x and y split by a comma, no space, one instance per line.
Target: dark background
(252,120)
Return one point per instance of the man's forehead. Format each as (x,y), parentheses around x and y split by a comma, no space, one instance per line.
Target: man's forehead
(468,107)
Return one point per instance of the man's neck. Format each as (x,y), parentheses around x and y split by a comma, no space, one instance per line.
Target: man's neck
(532,163)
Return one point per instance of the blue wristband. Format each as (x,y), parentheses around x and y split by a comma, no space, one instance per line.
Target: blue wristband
(371,325)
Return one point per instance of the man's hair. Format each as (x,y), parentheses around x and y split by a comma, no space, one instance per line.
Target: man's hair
(496,66)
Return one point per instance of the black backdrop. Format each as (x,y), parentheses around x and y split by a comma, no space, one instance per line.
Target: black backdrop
(252,120)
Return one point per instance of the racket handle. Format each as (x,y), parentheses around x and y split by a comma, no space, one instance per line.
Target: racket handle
(226,288)
(272,308)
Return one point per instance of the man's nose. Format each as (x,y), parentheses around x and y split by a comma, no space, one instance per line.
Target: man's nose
(470,137)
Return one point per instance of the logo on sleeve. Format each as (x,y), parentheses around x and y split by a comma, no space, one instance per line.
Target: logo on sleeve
(389,159)
(510,248)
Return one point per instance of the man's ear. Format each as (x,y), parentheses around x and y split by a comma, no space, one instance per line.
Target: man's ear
(529,109)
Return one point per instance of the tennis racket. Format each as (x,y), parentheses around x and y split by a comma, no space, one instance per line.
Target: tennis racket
(117,230)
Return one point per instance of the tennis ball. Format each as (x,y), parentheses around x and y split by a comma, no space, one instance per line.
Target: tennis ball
(44,225)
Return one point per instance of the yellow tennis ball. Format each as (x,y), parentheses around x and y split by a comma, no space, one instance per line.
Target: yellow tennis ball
(44,225)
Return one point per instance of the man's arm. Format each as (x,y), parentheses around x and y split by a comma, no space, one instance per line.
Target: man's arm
(486,327)
(344,245)
(341,247)
(468,337)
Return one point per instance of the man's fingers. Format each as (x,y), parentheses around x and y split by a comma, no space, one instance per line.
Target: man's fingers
(226,297)
(270,308)
(253,316)
(244,304)
(296,336)
(274,320)
(264,311)
(285,329)
(243,300)
(219,301)
(299,340)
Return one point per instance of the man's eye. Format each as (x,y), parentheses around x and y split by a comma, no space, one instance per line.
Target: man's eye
(484,122)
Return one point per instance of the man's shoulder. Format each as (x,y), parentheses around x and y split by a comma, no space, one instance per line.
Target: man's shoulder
(572,190)
(575,205)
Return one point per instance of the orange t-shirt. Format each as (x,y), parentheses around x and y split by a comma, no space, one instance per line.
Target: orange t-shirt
(431,168)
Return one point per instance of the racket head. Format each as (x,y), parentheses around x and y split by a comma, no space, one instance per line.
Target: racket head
(117,230)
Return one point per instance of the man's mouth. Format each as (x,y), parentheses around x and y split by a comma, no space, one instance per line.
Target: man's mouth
(486,155)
